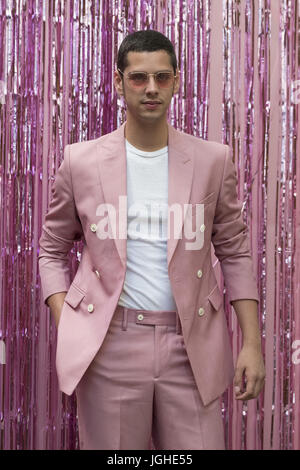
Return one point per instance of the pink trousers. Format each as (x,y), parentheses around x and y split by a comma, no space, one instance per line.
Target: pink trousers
(140,385)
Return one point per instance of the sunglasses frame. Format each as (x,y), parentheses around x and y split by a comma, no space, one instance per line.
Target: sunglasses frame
(148,75)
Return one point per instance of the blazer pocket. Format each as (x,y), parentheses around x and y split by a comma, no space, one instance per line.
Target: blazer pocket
(208,199)
(211,197)
(74,296)
(215,298)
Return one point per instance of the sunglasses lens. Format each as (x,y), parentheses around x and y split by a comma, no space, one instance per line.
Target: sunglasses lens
(164,79)
(138,79)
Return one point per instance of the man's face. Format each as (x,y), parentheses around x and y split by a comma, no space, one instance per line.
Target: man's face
(135,97)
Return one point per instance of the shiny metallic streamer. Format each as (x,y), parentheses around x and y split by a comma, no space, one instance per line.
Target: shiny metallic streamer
(239,63)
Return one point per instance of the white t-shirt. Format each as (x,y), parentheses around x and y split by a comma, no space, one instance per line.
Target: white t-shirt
(147,285)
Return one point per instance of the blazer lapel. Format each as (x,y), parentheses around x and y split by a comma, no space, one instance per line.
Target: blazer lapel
(181,165)
(113,179)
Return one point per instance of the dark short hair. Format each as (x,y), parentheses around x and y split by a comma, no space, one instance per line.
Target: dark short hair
(147,40)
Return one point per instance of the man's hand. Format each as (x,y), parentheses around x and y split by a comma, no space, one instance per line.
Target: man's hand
(250,366)
(56,302)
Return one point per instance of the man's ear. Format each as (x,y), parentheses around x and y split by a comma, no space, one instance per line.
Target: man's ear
(118,84)
(177,86)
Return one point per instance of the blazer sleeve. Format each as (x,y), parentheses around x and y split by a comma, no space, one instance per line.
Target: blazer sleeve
(61,228)
(231,240)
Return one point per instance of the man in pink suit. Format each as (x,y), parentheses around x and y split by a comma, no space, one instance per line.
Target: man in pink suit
(142,333)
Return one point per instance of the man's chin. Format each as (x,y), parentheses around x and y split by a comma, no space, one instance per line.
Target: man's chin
(148,117)
(151,116)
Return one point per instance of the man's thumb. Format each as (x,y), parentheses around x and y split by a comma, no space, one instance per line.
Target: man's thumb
(238,380)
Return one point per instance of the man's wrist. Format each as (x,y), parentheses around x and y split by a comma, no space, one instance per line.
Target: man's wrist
(254,343)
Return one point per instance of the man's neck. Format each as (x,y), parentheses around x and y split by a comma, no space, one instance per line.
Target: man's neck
(147,137)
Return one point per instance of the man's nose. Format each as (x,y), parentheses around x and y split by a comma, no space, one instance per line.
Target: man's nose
(151,85)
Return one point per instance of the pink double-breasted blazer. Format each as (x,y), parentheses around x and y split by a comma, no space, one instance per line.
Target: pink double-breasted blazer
(94,173)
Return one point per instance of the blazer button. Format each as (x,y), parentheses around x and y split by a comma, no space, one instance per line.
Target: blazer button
(199,273)
(202,228)
(97,273)
(93,227)
(140,316)
(90,308)
(201,311)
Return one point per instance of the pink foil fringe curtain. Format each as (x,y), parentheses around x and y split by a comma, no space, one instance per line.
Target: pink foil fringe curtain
(239,62)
